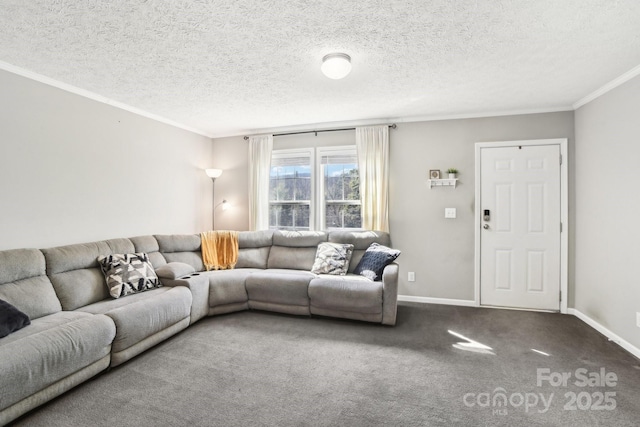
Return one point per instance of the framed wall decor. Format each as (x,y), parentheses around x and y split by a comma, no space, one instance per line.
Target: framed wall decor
(434,174)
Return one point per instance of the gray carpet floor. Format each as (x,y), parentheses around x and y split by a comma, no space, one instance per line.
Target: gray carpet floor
(257,368)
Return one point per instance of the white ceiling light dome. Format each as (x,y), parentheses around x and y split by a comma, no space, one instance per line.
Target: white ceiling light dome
(336,65)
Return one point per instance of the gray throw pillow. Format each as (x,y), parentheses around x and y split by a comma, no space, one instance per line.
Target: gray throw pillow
(374,260)
(11,319)
(128,273)
(332,258)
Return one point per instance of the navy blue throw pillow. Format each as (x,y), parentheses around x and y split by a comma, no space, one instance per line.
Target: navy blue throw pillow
(374,260)
(11,319)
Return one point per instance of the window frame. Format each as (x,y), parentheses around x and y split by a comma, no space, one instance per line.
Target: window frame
(288,154)
(321,202)
(317,203)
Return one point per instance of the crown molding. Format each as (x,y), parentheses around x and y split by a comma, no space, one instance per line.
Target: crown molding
(396,120)
(96,97)
(608,87)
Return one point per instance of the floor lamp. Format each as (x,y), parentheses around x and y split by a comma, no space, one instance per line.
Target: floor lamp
(213,174)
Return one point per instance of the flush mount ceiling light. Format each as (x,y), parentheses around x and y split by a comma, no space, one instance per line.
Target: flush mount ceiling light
(336,65)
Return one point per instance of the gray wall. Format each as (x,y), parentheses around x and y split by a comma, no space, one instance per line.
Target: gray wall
(440,251)
(607,205)
(75,170)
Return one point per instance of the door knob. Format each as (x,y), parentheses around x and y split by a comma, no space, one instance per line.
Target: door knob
(486,226)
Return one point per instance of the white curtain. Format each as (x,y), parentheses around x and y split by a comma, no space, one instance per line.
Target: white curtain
(372,143)
(260,148)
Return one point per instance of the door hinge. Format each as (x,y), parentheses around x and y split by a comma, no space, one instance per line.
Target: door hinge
(561,227)
(560,158)
(560,296)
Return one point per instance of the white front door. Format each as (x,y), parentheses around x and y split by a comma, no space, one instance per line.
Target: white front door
(520,235)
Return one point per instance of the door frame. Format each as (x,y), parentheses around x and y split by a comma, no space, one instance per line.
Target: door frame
(564,211)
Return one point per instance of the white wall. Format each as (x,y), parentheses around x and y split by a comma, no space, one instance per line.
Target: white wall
(439,251)
(608,206)
(75,170)
(232,156)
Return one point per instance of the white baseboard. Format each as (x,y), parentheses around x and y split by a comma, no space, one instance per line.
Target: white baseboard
(445,301)
(606,332)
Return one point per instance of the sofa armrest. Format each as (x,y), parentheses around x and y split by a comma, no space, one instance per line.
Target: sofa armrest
(198,284)
(174,270)
(390,294)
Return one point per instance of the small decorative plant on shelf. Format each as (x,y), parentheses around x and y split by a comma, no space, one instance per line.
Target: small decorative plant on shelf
(452,173)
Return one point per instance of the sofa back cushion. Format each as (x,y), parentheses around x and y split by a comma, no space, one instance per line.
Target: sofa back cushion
(181,248)
(149,245)
(360,240)
(295,249)
(24,284)
(254,248)
(75,272)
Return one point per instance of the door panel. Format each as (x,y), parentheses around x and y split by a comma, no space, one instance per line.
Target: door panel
(520,244)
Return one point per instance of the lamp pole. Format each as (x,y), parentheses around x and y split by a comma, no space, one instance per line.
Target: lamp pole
(213,174)
(213,204)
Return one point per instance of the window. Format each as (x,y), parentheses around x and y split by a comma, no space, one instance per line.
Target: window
(290,190)
(340,188)
(309,195)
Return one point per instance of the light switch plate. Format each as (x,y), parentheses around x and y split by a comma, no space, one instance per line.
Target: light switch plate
(638,319)
(449,212)
(411,276)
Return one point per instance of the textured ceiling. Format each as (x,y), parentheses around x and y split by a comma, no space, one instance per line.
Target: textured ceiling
(234,67)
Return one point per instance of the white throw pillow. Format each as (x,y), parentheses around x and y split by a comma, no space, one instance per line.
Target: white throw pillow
(332,258)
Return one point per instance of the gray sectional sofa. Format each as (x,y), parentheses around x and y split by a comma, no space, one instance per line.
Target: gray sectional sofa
(77,330)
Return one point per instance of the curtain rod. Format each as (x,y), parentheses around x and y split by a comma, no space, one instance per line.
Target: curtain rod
(392,126)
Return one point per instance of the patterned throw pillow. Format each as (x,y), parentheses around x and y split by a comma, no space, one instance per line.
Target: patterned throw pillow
(11,319)
(374,260)
(128,273)
(332,258)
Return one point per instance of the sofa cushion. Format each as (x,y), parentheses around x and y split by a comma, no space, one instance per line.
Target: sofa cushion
(332,258)
(283,257)
(149,245)
(128,273)
(39,357)
(298,239)
(142,315)
(295,249)
(255,239)
(374,260)
(253,257)
(279,286)
(254,248)
(228,286)
(346,293)
(75,273)
(11,319)
(24,285)
(360,240)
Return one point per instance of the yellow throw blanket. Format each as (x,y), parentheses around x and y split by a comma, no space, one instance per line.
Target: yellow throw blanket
(219,249)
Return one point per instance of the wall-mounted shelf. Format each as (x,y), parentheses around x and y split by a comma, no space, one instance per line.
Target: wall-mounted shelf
(442,183)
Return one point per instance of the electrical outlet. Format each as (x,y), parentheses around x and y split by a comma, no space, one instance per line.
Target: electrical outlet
(450,213)
(411,276)
(638,319)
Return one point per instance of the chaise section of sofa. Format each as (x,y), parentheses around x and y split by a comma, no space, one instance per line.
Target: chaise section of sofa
(142,320)
(57,351)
